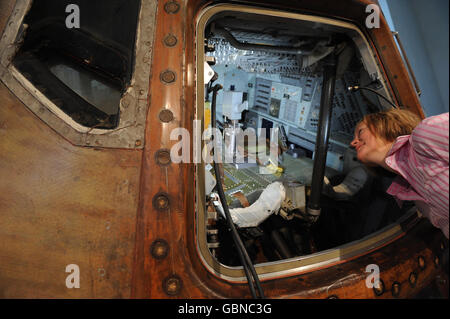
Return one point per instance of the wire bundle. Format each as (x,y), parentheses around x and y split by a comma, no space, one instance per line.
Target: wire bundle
(249,269)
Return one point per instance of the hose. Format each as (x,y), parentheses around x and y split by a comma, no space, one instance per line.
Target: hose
(323,134)
(259,47)
(249,269)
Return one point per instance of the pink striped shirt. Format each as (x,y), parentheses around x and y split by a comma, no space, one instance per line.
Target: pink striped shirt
(421,160)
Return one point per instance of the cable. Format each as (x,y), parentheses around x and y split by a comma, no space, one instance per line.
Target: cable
(249,269)
(243,255)
(357,88)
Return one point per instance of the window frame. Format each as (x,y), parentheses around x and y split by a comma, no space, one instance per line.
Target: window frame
(301,264)
(130,131)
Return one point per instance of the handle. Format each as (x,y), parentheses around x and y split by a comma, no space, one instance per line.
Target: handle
(410,70)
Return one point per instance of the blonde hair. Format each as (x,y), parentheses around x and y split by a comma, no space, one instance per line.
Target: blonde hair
(391,124)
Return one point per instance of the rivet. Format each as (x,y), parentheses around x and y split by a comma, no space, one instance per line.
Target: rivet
(333,297)
(162,157)
(138,143)
(167,76)
(437,261)
(159,249)
(395,289)
(421,262)
(165,116)
(125,103)
(172,7)
(161,201)
(380,290)
(412,279)
(172,285)
(170,40)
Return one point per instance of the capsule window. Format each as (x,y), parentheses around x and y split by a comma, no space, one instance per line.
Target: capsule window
(80,55)
(272,68)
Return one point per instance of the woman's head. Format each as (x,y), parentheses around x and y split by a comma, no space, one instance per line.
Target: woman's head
(376,132)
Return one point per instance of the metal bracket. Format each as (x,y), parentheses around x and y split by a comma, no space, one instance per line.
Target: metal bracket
(208,73)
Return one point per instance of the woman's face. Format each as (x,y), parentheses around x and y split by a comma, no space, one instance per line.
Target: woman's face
(367,145)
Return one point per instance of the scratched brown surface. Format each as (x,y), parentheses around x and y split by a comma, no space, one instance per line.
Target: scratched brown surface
(59,205)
